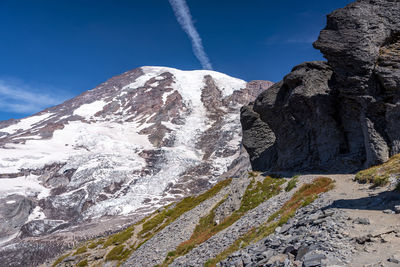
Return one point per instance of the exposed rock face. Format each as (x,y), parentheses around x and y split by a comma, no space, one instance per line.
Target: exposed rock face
(115,153)
(341,115)
(13,214)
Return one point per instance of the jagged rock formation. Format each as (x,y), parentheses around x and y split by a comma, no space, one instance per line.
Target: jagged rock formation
(340,115)
(116,153)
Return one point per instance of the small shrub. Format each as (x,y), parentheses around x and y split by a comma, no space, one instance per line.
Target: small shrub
(171,254)
(291,184)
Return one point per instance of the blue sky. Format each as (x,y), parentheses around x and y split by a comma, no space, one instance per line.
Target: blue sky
(54,50)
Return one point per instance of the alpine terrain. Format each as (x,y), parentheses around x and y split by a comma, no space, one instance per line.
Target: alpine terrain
(162,167)
(133,144)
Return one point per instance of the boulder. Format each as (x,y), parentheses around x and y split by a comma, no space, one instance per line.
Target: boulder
(336,116)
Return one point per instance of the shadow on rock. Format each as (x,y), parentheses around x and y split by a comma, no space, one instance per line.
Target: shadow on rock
(382,201)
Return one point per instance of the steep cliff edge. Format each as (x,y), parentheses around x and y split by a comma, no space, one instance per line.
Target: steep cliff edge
(337,116)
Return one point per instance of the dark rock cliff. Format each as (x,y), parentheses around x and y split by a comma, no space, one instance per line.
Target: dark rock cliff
(339,115)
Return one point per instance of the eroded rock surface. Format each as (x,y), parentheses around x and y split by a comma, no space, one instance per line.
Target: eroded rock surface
(339,115)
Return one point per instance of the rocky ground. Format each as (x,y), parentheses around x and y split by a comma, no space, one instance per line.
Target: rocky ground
(351,225)
(154,251)
(222,240)
(335,117)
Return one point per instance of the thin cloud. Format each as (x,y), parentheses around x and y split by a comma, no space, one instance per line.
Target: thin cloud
(184,18)
(24,99)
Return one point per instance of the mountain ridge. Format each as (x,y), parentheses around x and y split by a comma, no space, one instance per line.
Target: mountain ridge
(119,151)
(323,121)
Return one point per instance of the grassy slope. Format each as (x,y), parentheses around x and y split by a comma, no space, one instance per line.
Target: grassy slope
(256,193)
(302,197)
(119,246)
(379,175)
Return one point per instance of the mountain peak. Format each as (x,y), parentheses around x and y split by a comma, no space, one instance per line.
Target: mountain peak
(132,144)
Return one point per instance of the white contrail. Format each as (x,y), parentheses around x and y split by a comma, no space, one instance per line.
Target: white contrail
(184,18)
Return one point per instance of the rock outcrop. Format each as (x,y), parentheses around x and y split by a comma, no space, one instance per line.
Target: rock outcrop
(339,115)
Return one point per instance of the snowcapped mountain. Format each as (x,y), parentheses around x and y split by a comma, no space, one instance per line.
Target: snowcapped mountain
(134,143)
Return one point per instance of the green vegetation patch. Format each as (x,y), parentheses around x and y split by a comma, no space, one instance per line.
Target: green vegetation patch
(253,174)
(80,250)
(151,225)
(292,183)
(95,244)
(304,196)
(379,175)
(83,263)
(59,260)
(119,237)
(118,253)
(167,216)
(255,194)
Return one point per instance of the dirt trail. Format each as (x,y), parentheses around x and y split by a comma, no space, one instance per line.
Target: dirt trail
(367,220)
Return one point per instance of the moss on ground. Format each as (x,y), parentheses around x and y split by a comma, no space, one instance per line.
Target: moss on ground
(256,193)
(379,175)
(302,197)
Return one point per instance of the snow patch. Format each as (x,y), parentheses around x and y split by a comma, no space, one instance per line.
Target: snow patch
(23,185)
(193,80)
(88,110)
(77,138)
(26,123)
(166,95)
(36,214)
